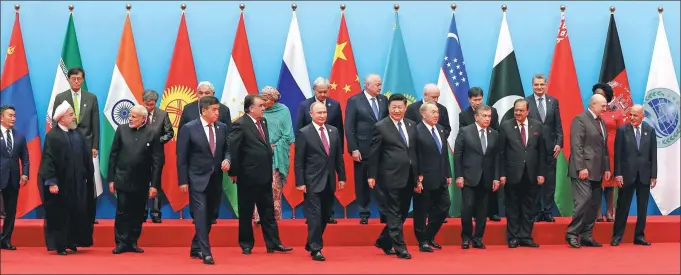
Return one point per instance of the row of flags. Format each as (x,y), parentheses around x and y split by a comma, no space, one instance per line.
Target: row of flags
(506,86)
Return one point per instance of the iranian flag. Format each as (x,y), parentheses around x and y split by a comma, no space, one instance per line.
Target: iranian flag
(239,82)
(125,91)
(70,58)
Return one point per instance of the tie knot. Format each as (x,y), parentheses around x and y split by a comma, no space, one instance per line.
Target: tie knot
(399,123)
(321,128)
(522,124)
(541,98)
(210,125)
(482,130)
(432,129)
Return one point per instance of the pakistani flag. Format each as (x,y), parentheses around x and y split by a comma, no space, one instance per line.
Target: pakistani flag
(505,86)
(70,58)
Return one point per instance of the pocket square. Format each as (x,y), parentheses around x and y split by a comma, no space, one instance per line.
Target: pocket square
(535,134)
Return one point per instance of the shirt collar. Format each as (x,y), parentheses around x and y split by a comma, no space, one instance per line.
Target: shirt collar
(64,128)
(430,128)
(203,122)
(369,97)
(316,126)
(4,130)
(479,128)
(255,121)
(518,122)
(536,97)
(593,115)
(395,121)
(317,100)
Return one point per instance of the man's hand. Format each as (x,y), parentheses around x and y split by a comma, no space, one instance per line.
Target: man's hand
(302,188)
(459,182)
(502,180)
(341,185)
(495,185)
(540,180)
(556,151)
(583,174)
(233,178)
(111,187)
(372,183)
(449,182)
(184,188)
(225,165)
(620,181)
(23,180)
(607,175)
(54,189)
(152,192)
(653,182)
(356,156)
(418,188)
(94,153)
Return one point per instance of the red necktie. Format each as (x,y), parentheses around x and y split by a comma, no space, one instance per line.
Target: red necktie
(211,139)
(262,134)
(324,141)
(523,135)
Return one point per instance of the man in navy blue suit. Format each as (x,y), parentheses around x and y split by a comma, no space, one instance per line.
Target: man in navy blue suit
(202,156)
(362,111)
(334,115)
(12,149)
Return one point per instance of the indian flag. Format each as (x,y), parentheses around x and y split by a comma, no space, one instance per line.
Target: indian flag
(124,93)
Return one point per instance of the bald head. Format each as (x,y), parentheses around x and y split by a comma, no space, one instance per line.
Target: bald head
(431,93)
(597,104)
(636,115)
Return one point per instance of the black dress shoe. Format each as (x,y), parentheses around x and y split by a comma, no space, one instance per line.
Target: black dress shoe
(62,252)
(572,242)
(424,247)
(119,250)
(435,245)
(615,241)
(445,221)
(527,243)
(404,255)
(495,218)
(590,243)
(135,248)
(599,220)
(478,244)
(208,260)
(317,256)
(72,248)
(465,244)
(246,251)
(512,243)
(214,221)
(609,220)
(8,246)
(95,222)
(363,220)
(389,251)
(195,255)
(382,219)
(641,241)
(156,220)
(280,248)
(549,218)
(332,221)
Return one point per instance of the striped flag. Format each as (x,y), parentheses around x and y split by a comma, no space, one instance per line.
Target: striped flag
(453,84)
(16,90)
(239,82)
(662,113)
(294,86)
(124,93)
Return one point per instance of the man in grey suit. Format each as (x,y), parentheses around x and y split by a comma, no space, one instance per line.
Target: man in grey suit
(86,110)
(589,165)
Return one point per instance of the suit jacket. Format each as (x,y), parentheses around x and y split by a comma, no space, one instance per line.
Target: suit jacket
(9,162)
(391,161)
(414,115)
(88,119)
(334,116)
(314,168)
(515,156)
(196,165)
(160,123)
(360,119)
(553,127)
(467,117)
(588,149)
(134,154)
(191,112)
(631,160)
(251,154)
(470,161)
(433,162)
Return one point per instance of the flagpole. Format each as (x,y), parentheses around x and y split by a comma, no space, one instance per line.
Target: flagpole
(660,9)
(453,7)
(503,8)
(16,8)
(183,7)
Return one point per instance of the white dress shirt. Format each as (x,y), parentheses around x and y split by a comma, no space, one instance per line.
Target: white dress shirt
(205,130)
(430,130)
(404,130)
(4,136)
(369,97)
(319,133)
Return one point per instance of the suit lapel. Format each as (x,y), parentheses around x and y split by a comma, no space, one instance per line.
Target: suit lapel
(393,128)
(317,137)
(367,106)
(202,135)
(490,140)
(83,105)
(476,138)
(534,112)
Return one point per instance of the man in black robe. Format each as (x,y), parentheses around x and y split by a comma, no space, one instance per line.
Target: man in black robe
(135,161)
(66,177)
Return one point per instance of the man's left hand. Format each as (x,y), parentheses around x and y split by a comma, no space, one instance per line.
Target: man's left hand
(540,180)
(225,165)
(556,151)
(23,180)
(653,182)
(418,188)
(94,153)
(495,185)
(341,185)
(449,182)
(152,192)
(607,175)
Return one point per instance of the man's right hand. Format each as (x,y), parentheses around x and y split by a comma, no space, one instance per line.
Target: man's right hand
(620,181)
(459,182)
(233,178)
(302,188)
(372,183)
(356,156)
(184,188)
(111,187)
(583,174)
(54,189)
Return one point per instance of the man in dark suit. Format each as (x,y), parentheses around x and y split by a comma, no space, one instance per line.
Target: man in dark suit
(252,171)
(12,149)
(135,173)
(589,165)
(545,109)
(476,150)
(334,116)
(521,165)
(159,121)
(635,171)
(86,109)
(202,157)
(435,176)
(318,158)
(431,93)
(362,111)
(393,168)
(467,117)
(191,112)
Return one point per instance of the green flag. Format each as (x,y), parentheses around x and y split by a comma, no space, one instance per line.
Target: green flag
(397,78)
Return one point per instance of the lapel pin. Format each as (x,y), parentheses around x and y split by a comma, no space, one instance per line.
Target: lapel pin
(645,134)
(328,104)
(515,127)
(329,130)
(217,127)
(442,131)
(147,144)
(84,105)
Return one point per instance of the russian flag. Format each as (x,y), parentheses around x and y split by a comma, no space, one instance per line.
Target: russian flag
(15,89)
(294,86)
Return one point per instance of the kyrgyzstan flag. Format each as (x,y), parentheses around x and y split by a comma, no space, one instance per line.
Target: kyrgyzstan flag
(180,89)
(15,89)
(344,83)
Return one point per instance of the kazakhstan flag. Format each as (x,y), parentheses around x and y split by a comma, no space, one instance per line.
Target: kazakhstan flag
(397,78)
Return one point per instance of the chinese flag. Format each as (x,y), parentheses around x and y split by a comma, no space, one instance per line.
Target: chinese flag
(344,83)
(180,89)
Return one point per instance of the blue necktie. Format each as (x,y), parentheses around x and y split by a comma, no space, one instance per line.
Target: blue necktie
(374,107)
(399,128)
(638,138)
(437,140)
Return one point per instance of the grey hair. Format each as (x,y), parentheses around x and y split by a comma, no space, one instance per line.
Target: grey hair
(141,109)
(369,76)
(150,95)
(319,81)
(538,76)
(425,106)
(315,104)
(270,93)
(206,84)
(429,85)
(482,107)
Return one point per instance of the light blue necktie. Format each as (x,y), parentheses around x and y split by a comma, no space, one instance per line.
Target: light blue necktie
(399,128)
(437,140)
(374,107)
(638,138)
